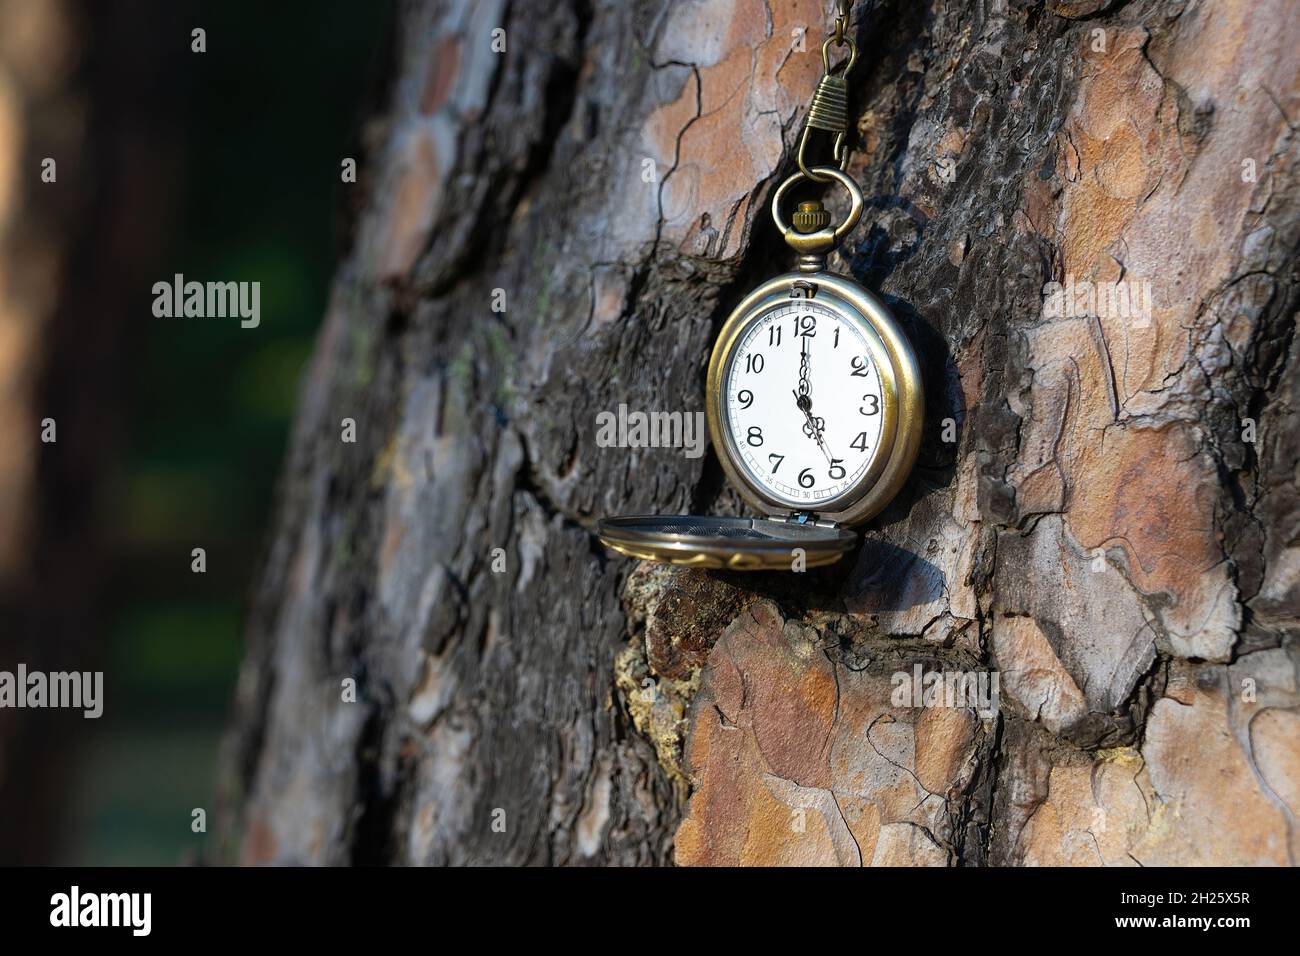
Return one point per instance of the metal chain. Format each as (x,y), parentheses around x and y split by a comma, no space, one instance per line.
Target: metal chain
(829,109)
(841,20)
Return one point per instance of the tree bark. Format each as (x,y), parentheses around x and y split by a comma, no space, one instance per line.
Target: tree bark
(1105,511)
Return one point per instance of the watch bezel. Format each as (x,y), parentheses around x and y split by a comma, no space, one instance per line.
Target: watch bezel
(902,396)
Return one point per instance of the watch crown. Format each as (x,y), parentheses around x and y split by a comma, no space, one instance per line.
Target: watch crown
(810,217)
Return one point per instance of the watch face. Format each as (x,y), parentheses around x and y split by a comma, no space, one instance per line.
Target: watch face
(802,402)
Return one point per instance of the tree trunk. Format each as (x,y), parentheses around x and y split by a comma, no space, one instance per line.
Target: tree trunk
(1105,513)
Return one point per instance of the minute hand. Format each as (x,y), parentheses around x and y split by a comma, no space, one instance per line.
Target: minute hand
(804,401)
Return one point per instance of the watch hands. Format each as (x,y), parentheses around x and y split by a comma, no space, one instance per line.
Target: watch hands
(804,401)
(821,443)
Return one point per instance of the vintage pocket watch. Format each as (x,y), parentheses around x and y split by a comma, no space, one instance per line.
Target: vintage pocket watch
(813,398)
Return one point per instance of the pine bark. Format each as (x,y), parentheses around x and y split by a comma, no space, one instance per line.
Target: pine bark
(1104,513)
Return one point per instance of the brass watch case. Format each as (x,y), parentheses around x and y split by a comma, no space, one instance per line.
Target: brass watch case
(902,405)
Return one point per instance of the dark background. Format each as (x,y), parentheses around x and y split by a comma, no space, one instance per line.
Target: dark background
(223,166)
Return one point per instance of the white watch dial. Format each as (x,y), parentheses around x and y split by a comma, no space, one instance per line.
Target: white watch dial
(803,403)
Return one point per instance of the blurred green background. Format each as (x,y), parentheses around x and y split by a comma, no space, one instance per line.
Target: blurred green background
(268,113)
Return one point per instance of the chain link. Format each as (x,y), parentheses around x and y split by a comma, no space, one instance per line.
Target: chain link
(841,20)
(829,109)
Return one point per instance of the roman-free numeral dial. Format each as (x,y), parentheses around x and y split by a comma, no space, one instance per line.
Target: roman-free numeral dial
(802,403)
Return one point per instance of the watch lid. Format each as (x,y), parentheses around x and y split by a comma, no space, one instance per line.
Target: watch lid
(742,544)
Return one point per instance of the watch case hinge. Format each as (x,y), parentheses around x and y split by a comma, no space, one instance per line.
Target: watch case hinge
(807,518)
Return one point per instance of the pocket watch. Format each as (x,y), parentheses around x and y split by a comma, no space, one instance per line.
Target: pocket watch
(813,396)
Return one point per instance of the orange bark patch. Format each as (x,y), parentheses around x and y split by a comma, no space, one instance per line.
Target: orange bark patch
(260,845)
(444,67)
(415,204)
(1149,491)
(724,134)
(795,760)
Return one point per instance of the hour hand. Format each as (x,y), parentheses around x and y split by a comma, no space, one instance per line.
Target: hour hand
(805,406)
(814,432)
